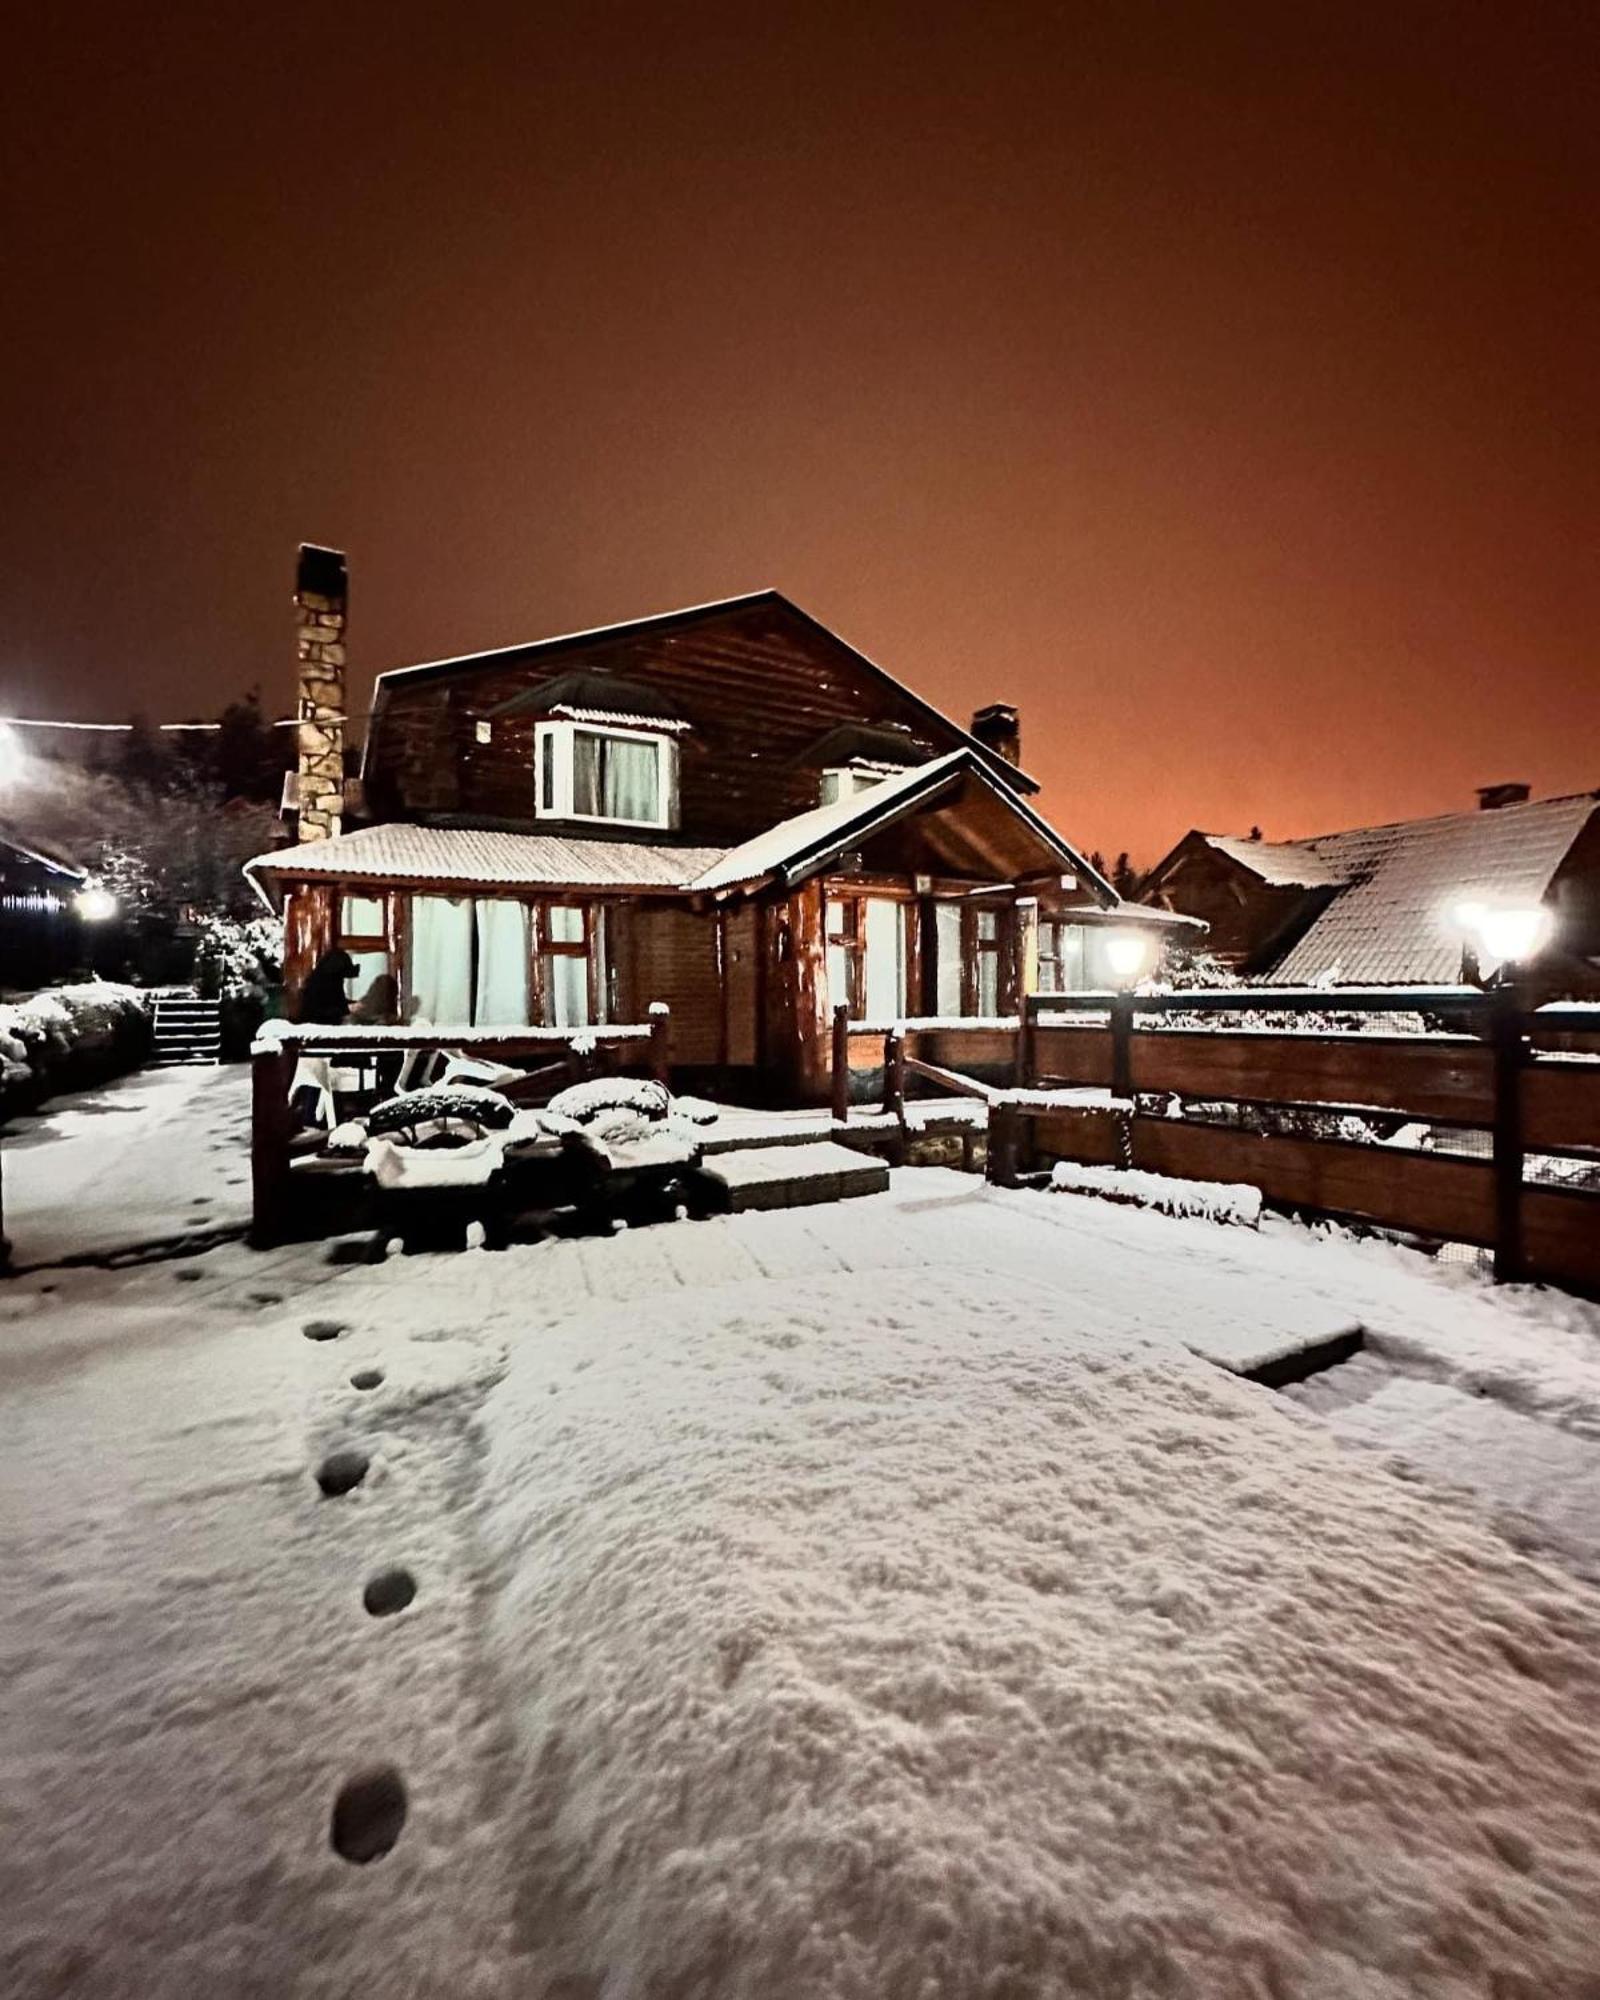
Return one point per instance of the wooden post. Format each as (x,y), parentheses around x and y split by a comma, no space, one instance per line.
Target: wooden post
(1122,1045)
(271,1128)
(1507,1034)
(1027,1063)
(841,1063)
(894,1074)
(1005,1145)
(661,1043)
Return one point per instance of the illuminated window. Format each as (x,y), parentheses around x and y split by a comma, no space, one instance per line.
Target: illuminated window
(626,777)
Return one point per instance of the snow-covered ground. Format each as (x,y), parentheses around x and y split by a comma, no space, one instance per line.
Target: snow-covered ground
(157,1154)
(876,1600)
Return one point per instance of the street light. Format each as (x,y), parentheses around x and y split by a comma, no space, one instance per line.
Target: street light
(1127,954)
(1504,933)
(95,903)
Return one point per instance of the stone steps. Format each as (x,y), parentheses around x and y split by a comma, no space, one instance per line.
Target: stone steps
(790,1176)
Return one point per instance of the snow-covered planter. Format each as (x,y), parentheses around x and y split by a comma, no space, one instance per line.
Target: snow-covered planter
(69,1037)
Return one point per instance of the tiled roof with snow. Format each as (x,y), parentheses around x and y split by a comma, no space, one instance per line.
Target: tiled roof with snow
(1393,922)
(1283,864)
(399,852)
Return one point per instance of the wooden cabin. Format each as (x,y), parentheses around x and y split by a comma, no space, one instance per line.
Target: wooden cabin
(727,809)
(41,938)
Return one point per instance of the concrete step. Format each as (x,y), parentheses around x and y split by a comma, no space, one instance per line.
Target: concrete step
(792,1176)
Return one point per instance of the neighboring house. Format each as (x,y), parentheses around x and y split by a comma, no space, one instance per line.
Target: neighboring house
(40,936)
(1381,905)
(727,809)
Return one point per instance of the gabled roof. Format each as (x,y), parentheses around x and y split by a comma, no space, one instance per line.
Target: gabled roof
(797,848)
(54,864)
(591,694)
(1282,864)
(1388,893)
(694,614)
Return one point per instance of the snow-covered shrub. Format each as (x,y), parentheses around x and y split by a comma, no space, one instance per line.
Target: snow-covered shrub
(443,1111)
(637,1097)
(70,1035)
(239,961)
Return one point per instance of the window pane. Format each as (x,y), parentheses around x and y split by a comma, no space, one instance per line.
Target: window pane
(361,916)
(564,924)
(886,959)
(599,952)
(501,1000)
(586,748)
(547,771)
(440,983)
(947,941)
(372,992)
(988,924)
(1073,944)
(566,986)
(832,783)
(838,978)
(632,787)
(988,982)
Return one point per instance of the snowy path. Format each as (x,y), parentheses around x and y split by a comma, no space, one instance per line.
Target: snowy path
(839,1602)
(151,1156)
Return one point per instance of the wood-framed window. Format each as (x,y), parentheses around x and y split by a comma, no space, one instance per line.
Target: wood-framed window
(613,776)
(506,962)
(1063,956)
(365,931)
(974,950)
(867,955)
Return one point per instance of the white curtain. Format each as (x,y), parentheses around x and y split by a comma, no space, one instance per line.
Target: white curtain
(886,959)
(501,1000)
(947,939)
(632,779)
(441,960)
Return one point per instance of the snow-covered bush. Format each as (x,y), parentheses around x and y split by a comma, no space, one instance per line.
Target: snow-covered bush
(441,1112)
(70,1035)
(238,958)
(588,1103)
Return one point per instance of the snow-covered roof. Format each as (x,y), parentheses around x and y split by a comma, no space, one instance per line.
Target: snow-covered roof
(1394,919)
(1284,864)
(795,847)
(400,852)
(56,864)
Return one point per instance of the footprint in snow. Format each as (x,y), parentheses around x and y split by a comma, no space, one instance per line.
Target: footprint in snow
(368,1815)
(324,1329)
(391,1590)
(366,1378)
(342,1471)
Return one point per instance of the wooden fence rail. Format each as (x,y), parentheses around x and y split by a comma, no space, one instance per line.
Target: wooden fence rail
(1482,1066)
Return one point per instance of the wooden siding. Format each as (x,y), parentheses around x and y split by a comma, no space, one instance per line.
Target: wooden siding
(1560,1104)
(674,955)
(758,688)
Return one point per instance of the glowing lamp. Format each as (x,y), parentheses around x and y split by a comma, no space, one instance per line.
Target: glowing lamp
(95,903)
(1515,932)
(1127,954)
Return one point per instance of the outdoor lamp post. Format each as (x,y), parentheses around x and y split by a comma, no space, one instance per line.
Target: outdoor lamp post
(1127,954)
(1502,935)
(95,903)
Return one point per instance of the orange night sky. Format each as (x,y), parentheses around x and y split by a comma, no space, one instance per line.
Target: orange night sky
(1216,382)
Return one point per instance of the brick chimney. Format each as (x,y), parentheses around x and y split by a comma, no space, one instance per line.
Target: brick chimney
(997,728)
(321,594)
(1492,797)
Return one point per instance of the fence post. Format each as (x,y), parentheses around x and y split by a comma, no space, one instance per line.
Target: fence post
(894,1074)
(661,1043)
(1005,1145)
(271,1127)
(1507,1035)
(1122,1045)
(1027,1062)
(840,1076)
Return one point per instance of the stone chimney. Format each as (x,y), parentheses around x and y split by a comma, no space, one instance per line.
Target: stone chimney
(1492,797)
(997,728)
(320,597)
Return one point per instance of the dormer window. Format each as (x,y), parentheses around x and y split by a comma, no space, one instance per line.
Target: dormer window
(843,781)
(623,777)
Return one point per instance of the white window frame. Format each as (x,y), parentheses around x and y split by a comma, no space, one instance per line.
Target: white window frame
(561,738)
(856,778)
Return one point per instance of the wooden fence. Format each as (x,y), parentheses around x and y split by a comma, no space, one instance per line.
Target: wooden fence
(1527,1082)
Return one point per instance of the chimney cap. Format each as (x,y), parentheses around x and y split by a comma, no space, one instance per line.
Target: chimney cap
(998,711)
(320,569)
(1492,797)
